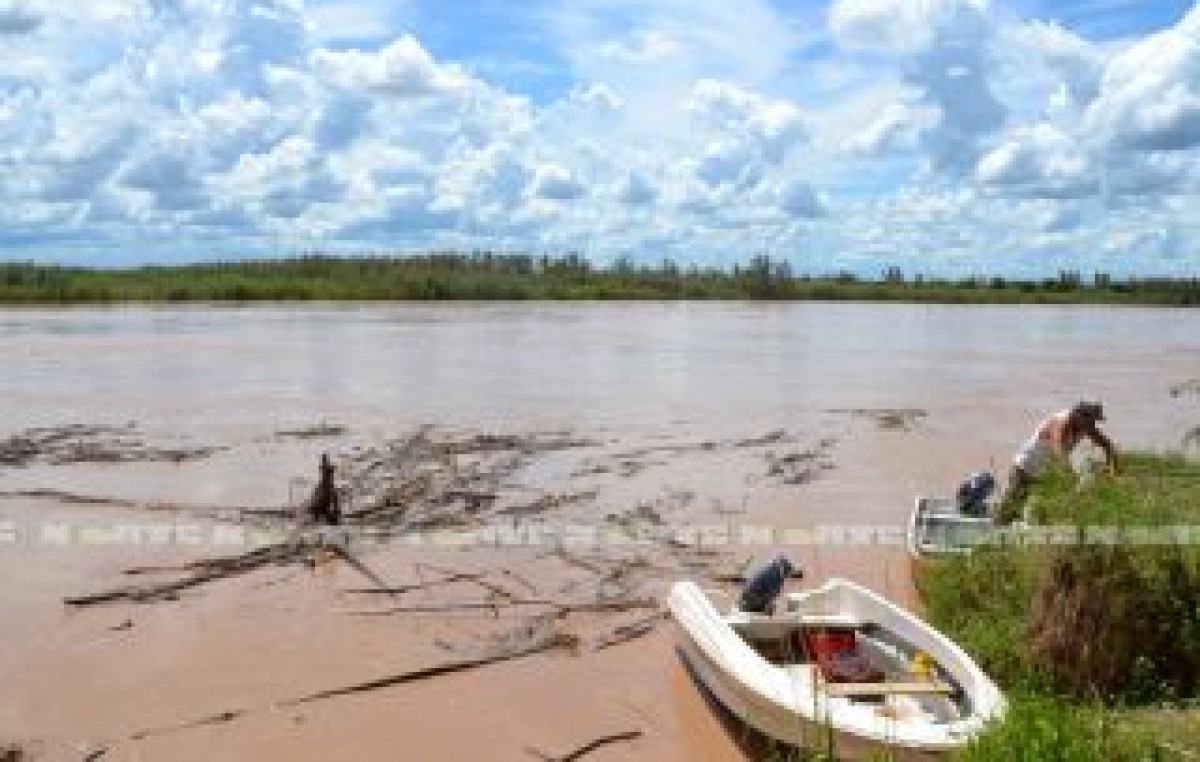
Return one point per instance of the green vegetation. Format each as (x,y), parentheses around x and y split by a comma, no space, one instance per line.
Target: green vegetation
(1097,644)
(486,276)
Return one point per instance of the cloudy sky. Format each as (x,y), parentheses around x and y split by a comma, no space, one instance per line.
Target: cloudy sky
(938,135)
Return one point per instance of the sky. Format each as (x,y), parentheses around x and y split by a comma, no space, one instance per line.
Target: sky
(938,136)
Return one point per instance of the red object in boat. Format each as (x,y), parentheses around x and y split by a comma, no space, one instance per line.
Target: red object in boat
(836,654)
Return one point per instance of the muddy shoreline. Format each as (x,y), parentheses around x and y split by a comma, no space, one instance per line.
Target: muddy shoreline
(425,513)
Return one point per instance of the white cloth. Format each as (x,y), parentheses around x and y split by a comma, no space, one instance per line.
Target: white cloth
(1037,449)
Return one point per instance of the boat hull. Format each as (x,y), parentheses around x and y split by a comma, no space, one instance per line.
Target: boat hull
(936,528)
(781,724)
(790,701)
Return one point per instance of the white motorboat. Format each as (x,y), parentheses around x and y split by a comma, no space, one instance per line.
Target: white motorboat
(839,669)
(936,527)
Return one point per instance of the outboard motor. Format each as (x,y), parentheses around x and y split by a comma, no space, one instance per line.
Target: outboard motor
(972,496)
(763,585)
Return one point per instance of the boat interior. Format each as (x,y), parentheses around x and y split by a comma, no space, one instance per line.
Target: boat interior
(941,528)
(857,662)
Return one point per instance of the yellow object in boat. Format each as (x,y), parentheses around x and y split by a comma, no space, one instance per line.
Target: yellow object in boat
(921,665)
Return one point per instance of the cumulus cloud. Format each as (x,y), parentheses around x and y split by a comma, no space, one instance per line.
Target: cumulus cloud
(555,183)
(944,50)
(1059,56)
(743,138)
(403,69)
(902,26)
(1149,95)
(773,125)
(896,127)
(17,17)
(171,177)
(635,189)
(688,126)
(1039,161)
(798,199)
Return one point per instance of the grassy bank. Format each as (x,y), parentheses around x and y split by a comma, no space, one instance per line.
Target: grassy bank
(1097,645)
(484,276)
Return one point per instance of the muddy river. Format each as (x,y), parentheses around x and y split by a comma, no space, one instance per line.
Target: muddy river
(725,425)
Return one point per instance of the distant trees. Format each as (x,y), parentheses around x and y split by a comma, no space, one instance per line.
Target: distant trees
(484,274)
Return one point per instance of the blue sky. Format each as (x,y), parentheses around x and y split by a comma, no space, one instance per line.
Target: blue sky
(942,136)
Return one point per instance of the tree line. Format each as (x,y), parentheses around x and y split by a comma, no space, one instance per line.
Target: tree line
(484,275)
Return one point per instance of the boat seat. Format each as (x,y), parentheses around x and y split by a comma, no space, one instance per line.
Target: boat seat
(878,689)
(737,616)
(806,673)
(840,621)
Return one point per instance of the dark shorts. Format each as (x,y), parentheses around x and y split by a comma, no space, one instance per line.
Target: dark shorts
(1015,493)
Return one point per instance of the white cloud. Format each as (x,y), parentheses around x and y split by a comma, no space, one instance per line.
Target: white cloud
(171,177)
(897,127)
(347,20)
(1062,59)
(932,130)
(775,126)
(555,183)
(635,189)
(17,17)
(748,41)
(1040,161)
(798,199)
(904,27)
(403,69)
(646,46)
(1150,93)
(944,50)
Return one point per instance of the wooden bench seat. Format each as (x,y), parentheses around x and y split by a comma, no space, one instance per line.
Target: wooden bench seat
(880,689)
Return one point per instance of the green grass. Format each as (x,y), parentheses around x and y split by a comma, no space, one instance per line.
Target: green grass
(985,602)
(487,276)
(1044,728)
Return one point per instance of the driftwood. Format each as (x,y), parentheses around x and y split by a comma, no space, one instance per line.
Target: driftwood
(63,496)
(212,569)
(358,565)
(450,576)
(216,719)
(627,632)
(535,643)
(204,571)
(591,746)
(401,589)
(730,579)
(479,579)
(435,608)
(560,608)
(553,641)
(408,485)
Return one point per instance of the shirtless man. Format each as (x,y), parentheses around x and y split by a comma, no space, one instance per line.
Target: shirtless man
(1054,437)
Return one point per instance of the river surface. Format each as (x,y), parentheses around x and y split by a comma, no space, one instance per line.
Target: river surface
(686,386)
(719,366)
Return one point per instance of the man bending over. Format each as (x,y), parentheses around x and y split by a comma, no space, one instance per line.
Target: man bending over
(1055,437)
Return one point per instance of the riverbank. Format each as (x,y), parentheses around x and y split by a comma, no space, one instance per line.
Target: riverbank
(1098,646)
(483,277)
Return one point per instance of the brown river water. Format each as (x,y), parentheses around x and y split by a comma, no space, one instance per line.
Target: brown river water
(689,408)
